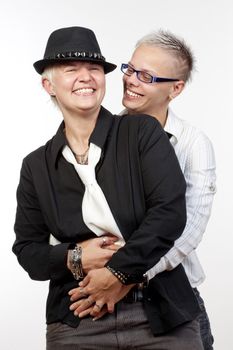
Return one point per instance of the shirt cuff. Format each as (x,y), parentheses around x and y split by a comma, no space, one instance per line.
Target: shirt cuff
(58,261)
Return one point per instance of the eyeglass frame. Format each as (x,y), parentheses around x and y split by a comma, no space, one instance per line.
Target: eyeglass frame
(154,79)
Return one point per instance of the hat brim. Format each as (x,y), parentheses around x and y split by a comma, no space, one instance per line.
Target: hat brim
(42,64)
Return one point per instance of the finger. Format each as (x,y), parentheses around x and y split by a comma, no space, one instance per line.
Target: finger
(119,243)
(86,304)
(113,247)
(97,308)
(85,313)
(75,305)
(104,241)
(73,291)
(77,293)
(85,281)
(103,312)
(110,307)
(107,240)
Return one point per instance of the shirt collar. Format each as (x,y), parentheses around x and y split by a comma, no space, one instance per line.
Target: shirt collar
(98,136)
(173,126)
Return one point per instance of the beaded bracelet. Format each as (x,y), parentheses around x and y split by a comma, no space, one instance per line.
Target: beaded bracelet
(120,275)
(76,262)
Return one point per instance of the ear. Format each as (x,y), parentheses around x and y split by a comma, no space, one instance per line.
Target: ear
(48,86)
(177,88)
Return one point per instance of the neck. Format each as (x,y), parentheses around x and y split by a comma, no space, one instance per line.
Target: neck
(161,116)
(78,129)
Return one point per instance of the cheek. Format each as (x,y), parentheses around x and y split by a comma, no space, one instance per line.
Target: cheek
(102,85)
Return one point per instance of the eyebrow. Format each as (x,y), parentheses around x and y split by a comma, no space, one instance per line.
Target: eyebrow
(143,70)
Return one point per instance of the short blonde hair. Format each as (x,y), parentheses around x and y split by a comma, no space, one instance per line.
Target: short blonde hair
(176,46)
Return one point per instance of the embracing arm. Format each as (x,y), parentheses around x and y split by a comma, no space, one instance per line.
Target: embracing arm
(165,212)
(200,178)
(164,221)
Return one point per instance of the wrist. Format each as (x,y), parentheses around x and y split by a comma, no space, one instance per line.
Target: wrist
(75,262)
(118,274)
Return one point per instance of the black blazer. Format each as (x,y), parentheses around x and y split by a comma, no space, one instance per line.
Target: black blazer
(145,189)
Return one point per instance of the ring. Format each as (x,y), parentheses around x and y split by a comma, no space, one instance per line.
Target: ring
(82,292)
(90,302)
(104,241)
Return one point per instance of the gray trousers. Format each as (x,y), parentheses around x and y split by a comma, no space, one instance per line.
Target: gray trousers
(127,328)
(203,319)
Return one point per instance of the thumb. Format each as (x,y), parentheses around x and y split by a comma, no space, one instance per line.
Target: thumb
(84,282)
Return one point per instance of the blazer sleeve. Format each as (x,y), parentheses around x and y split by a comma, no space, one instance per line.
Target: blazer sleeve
(165,215)
(34,253)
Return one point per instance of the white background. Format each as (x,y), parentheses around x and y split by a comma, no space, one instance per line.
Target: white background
(28,120)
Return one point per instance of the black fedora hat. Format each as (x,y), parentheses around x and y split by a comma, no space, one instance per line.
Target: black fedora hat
(72,44)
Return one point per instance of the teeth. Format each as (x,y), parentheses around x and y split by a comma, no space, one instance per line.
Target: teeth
(132,94)
(84,91)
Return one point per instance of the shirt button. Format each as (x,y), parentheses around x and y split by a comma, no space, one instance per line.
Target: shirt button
(212,187)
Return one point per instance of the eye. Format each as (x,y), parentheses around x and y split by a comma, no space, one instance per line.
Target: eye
(145,77)
(70,69)
(130,70)
(95,67)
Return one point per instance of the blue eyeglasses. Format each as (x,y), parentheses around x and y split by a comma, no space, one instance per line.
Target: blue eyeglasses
(145,77)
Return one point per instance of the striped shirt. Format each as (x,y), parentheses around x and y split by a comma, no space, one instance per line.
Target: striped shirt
(196,157)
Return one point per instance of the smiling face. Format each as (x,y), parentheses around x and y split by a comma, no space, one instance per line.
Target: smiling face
(153,99)
(79,87)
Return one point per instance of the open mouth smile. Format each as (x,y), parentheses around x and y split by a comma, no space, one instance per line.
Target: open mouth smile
(132,94)
(84,91)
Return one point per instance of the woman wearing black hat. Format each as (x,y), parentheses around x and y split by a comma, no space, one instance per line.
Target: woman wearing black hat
(103,174)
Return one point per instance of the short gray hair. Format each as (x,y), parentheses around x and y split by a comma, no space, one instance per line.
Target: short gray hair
(176,46)
(48,74)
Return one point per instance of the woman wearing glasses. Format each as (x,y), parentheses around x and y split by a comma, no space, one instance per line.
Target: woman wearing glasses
(102,174)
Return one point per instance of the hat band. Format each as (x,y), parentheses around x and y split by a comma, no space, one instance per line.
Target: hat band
(77,54)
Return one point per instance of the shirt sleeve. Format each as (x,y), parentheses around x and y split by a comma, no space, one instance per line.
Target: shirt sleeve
(165,211)
(41,260)
(201,187)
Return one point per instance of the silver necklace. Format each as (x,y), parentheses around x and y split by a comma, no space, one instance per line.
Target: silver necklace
(82,158)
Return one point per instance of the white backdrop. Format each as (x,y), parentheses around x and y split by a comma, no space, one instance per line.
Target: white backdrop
(29,120)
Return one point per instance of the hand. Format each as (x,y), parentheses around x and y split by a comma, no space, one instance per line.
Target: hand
(102,288)
(96,252)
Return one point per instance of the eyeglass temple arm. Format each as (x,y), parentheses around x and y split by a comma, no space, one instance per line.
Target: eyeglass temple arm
(160,80)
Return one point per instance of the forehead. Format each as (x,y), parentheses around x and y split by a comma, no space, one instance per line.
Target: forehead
(153,59)
(71,63)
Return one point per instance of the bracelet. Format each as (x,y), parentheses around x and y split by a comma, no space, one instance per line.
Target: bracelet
(76,262)
(120,275)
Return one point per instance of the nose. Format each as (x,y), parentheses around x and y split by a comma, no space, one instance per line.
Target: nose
(131,79)
(84,74)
